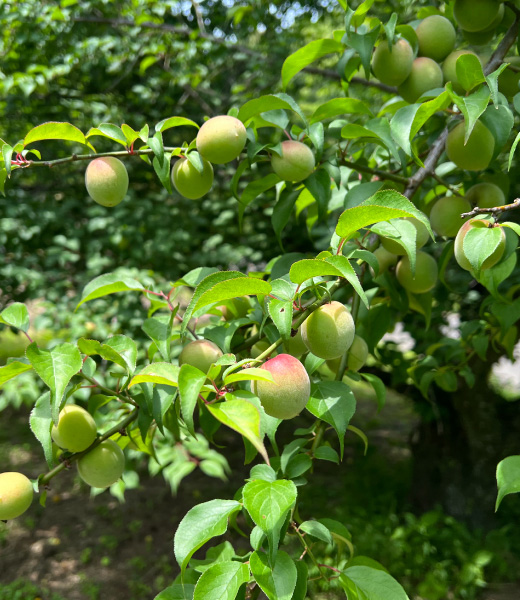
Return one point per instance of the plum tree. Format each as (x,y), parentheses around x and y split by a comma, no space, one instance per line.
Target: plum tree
(445,215)
(460,255)
(425,75)
(102,466)
(295,346)
(486,195)
(189,182)
(477,153)
(421,239)
(449,69)
(328,332)
(106,180)
(426,273)
(76,429)
(16,494)
(385,258)
(201,354)
(221,139)
(508,80)
(357,356)
(290,392)
(475,15)
(296,162)
(436,37)
(392,65)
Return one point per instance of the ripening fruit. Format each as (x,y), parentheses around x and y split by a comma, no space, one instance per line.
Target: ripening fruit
(295,345)
(461,257)
(425,75)
(475,15)
(449,69)
(508,80)
(236,308)
(287,397)
(221,139)
(486,195)
(385,259)
(478,151)
(201,354)
(16,494)
(189,182)
(392,66)
(103,465)
(357,356)
(420,240)
(436,37)
(445,215)
(106,180)
(328,332)
(76,429)
(426,273)
(296,163)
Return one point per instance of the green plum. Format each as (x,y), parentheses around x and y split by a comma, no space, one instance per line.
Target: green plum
(76,429)
(460,255)
(328,332)
(16,494)
(189,182)
(106,180)
(296,163)
(392,66)
(200,354)
(436,37)
(103,465)
(486,195)
(221,139)
(421,239)
(477,153)
(449,69)
(425,75)
(426,273)
(445,215)
(475,15)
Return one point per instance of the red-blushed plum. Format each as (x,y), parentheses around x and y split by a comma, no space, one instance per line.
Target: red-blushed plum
(436,37)
(221,139)
(475,15)
(102,466)
(461,257)
(106,180)
(76,429)
(392,66)
(189,182)
(425,75)
(477,153)
(449,69)
(296,163)
(445,215)
(287,397)
(328,332)
(201,354)
(295,345)
(421,239)
(426,273)
(357,356)
(486,195)
(16,494)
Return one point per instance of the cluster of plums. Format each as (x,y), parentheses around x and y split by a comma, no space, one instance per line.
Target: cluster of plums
(220,140)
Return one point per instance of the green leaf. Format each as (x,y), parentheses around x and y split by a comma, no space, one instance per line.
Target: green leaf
(303,57)
(56,368)
(499,120)
(480,243)
(363,43)
(300,590)
(253,374)
(110,131)
(177,592)
(200,524)
(281,312)
(158,329)
(110,283)
(268,504)
(282,211)
(40,422)
(256,187)
(159,372)
(263,104)
(243,417)
(126,348)
(316,530)
(334,403)
(54,130)
(360,434)
(379,388)
(191,381)
(403,232)
(161,167)
(130,134)
(326,453)
(174,122)
(222,581)
(512,151)
(492,81)
(508,478)
(16,315)
(339,106)
(277,582)
(469,71)
(372,584)
(7,154)
(122,351)
(471,107)
(13,369)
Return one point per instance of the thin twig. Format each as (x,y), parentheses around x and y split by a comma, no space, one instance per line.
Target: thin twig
(376,172)
(496,210)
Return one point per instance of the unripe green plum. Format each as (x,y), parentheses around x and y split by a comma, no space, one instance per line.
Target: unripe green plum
(436,37)
(295,346)
(508,80)
(420,240)
(102,466)
(201,354)
(189,182)
(236,308)
(479,38)
(425,75)
(486,195)
(106,180)
(478,151)
(475,15)
(296,163)
(287,397)
(328,332)
(16,494)
(445,215)
(392,66)
(259,347)
(221,139)
(357,356)
(461,257)
(449,69)
(426,273)
(385,259)
(76,429)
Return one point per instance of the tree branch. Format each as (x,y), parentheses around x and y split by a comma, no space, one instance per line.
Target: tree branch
(497,210)
(377,172)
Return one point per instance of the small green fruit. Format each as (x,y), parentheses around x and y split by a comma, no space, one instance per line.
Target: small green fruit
(461,257)
(201,354)
(475,15)
(189,182)
(287,397)
(486,195)
(106,180)
(445,215)
(76,429)
(421,239)
(102,466)
(449,69)
(425,75)
(221,139)
(296,163)
(508,80)
(357,356)
(16,494)
(426,273)
(392,66)
(295,346)
(328,332)
(477,153)
(436,37)
(385,259)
